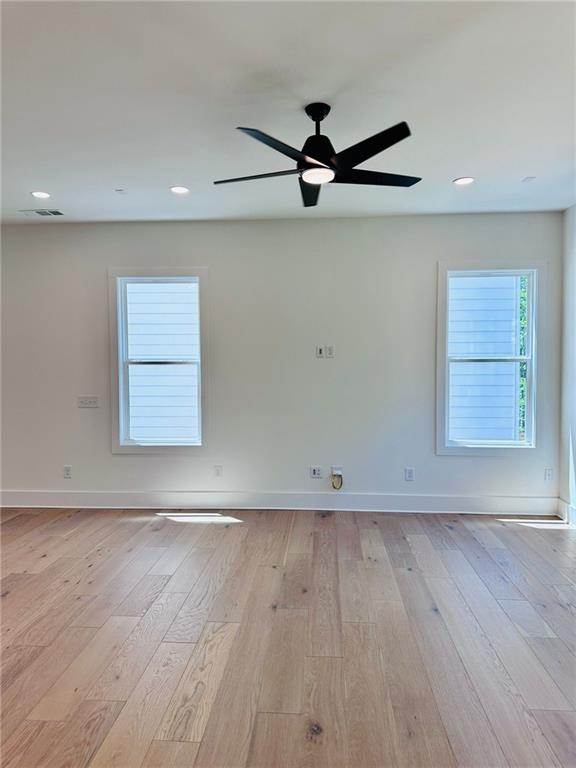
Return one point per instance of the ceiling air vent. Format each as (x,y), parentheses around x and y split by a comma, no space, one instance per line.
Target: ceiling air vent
(42,212)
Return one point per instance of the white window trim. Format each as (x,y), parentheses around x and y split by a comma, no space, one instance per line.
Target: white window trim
(115,380)
(498,266)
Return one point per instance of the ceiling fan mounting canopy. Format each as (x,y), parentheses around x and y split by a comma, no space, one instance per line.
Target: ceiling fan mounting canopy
(317,111)
(318,162)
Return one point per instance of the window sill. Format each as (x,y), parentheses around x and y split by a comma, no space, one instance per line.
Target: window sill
(156,450)
(482,450)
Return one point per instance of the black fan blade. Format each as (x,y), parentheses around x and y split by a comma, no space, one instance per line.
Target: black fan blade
(356,154)
(259,176)
(374,177)
(310,193)
(279,146)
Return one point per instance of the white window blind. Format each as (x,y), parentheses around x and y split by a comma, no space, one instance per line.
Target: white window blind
(490,358)
(159,360)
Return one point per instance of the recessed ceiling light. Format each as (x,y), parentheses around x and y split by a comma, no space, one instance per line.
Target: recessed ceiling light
(179,190)
(318,175)
(41,195)
(463,181)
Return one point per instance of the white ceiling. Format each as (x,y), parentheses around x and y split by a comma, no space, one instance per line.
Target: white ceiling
(142,96)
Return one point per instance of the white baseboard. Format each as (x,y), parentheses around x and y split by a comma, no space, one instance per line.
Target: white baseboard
(567,512)
(372,502)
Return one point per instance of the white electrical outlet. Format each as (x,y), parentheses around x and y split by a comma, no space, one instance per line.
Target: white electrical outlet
(218,470)
(329,350)
(67,472)
(88,401)
(316,473)
(321,351)
(409,474)
(548,473)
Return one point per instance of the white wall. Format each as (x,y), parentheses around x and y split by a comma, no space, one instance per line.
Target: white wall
(276,290)
(568,431)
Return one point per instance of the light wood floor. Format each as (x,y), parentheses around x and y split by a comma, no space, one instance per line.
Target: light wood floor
(289,640)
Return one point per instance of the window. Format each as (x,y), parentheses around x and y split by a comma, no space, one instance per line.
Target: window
(487,365)
(159,350)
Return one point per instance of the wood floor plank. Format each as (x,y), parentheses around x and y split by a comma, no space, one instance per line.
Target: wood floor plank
(31,685)
(98,611)
(537,688)
(296,581)
(115,578)
(72,686)
(129,739)
(301,541)
(188,572)
(189,623)
(7,513)
(427,558)
(326,741)
(188,711)
(420,734)
(471,736)
(30,600)
(354,595)
(378,568)
(121,675)
(347,537)
(177,552)
(528,622)
(560,730)
(32,556)
(15,748)
(560,663)
(394,539)
(368,709)
(21,525)
(40,749)
(276,742)
(513,723)
(487,569)
(211,536)
(436,532)
(281,523)
(554,611)
(15,660)
(171,754)
(46,628)
(539,566)
(83,734)
(228,733)
(324,626)
(283,675)
(483,534)
(272,536)
(232,597)
(561,554)
(144,594)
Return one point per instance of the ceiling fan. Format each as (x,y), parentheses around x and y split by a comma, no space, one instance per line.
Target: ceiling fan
(318,163)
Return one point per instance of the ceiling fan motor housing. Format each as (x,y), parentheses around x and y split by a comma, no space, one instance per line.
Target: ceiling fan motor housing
(318,147)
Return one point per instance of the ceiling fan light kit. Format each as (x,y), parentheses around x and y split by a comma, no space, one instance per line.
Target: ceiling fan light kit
(318,163)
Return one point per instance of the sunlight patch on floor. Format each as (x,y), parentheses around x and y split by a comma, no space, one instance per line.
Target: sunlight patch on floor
(199,517)
(547,524)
